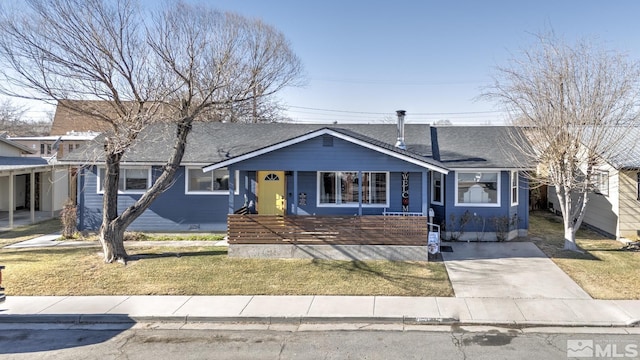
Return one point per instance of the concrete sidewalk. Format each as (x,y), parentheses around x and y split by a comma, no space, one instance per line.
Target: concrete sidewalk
(321,309)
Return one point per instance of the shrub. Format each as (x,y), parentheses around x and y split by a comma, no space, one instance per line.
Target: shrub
(135,236)
(503,225)
(456,226)
(69,219)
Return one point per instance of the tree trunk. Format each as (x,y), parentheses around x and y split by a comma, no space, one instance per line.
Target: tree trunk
(111,234)
(114,225)
(569,237)
(568,222)
(112,239)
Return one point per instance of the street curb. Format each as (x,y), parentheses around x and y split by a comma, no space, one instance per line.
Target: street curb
(293,320)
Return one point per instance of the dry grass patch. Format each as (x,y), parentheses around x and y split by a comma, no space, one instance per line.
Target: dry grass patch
(27,232)
(208,271)
(603,270)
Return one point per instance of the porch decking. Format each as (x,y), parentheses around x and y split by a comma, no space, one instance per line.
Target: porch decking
(328,230)
(23,217)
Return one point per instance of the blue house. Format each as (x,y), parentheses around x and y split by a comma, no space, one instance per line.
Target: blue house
(317,177)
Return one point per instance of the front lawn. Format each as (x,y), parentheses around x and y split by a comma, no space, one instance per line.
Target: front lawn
(208,271)
(603,270)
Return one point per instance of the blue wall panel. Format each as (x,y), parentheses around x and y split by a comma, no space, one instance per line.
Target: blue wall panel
(173,210)
(483,215)
(307,184)
(311,155)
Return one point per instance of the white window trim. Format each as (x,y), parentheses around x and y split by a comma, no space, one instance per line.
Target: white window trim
(499,189)
(516,175)
(149,180)
(638,185)
(236,190)
(433,188)
(601,174)
(354,204)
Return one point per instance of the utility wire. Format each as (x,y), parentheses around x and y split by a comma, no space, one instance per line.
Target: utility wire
(391,113)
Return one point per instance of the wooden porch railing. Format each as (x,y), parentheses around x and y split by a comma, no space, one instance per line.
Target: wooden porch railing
(342,230)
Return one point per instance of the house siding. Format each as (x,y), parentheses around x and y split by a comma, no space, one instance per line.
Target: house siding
(481,216)
(173,210)
(307,184)
(311,155)
(8,150)
(629,205)
(602,209)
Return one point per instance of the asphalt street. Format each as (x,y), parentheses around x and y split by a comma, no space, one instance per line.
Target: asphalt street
(210,341)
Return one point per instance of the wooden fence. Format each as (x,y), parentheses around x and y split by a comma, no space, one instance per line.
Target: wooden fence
(343,230)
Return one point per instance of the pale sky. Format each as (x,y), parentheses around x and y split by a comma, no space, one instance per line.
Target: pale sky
(366,59)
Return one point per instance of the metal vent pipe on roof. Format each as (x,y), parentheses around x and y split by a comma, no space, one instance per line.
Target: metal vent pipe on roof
(400,143)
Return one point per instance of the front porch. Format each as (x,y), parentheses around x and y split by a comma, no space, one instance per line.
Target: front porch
(24,217)
(371,237)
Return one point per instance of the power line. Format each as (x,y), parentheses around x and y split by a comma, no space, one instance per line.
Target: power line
(391,113)
(397,83)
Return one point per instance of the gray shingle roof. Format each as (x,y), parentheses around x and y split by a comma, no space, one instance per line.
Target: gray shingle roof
(18,162)
(210,143)
(478,147)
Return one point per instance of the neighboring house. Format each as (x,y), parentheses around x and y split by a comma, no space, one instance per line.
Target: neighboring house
(614,207)
(54,145)
(69,121)
(304,171)
(28,183)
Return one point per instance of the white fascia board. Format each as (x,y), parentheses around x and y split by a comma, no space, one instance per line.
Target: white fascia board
(468,169)
(315,134)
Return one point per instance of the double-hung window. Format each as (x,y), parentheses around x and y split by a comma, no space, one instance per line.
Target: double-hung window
(131,180)
(340,188)
(478,188)
(600,181)
(514,188)
(437,188)
(215,182)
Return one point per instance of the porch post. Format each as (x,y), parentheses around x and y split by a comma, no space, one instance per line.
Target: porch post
(425,193)
(359,193)
(295,192)
(80,196)
(11,200)
(32,195)
(53,192)
(232,190)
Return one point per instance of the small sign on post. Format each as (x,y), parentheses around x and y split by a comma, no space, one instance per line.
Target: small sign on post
(433,241)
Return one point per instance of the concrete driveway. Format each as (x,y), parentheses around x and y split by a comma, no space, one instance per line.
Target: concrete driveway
(517,270)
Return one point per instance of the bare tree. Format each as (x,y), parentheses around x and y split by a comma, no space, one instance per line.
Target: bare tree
(176,66)
(572,105)
(10,116)
(14,122)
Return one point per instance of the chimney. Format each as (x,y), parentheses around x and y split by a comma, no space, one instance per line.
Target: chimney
(400,143)
(435,146)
